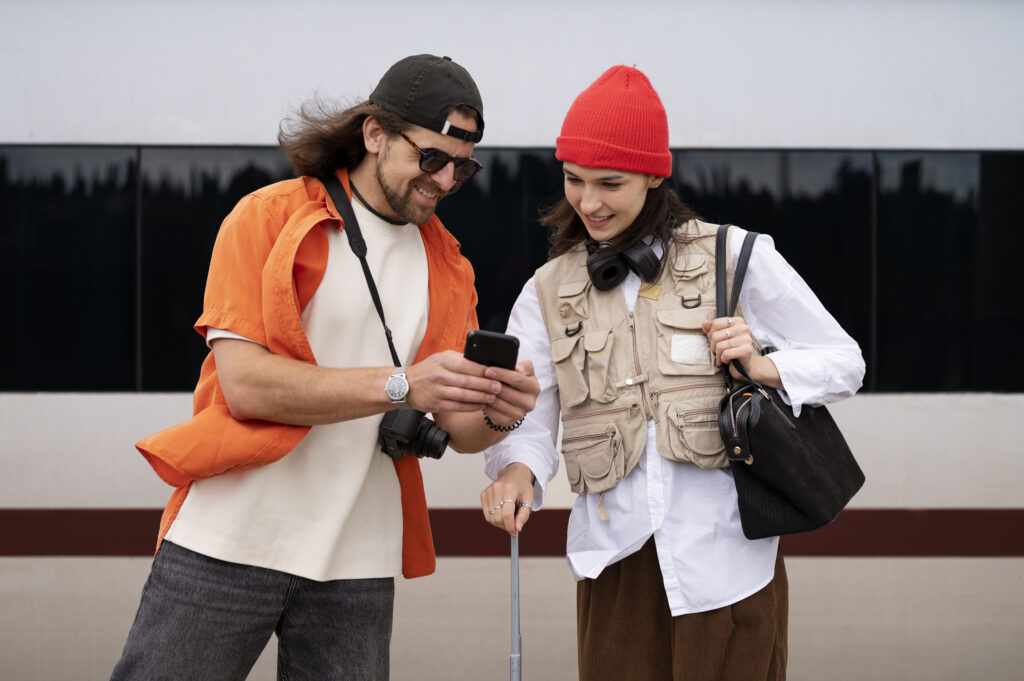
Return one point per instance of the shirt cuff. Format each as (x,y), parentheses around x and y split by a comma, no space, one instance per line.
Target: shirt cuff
(213,333)
(807,378)
(543,466)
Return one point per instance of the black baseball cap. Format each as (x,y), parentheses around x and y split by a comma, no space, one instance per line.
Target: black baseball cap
(423,89)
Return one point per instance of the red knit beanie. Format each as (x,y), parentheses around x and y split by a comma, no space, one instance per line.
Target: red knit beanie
(619,123)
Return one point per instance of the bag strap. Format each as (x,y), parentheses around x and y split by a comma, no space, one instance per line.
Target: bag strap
(722,279)
(722,284)
(358,246)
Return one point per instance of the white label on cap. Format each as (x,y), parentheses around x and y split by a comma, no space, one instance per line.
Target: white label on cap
(444,130)
(691,348)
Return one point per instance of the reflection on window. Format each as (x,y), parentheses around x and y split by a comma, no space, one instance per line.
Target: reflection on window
(494,217)
(815,205)
(68,268)
(104,250)
(186,193)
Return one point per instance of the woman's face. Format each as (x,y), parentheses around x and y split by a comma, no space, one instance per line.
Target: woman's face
(607,201)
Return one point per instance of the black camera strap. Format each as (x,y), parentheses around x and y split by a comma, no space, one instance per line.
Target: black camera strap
(358,245)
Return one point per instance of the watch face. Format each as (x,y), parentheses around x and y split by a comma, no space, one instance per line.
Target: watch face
(397,388)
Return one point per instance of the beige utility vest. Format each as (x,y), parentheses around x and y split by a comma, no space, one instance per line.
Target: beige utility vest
(617,369)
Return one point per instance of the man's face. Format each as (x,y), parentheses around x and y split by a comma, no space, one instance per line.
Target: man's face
(411,193)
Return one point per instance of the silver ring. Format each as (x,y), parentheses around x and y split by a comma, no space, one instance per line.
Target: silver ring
(528,505)
(491,512)
(728,321)
(506,501)
(728,334)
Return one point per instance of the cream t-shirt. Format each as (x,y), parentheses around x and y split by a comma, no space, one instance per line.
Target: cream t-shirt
(331,508)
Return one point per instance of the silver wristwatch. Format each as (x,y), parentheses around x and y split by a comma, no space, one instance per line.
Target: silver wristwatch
(397,388)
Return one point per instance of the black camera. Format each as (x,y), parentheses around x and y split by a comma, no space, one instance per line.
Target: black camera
(408,431)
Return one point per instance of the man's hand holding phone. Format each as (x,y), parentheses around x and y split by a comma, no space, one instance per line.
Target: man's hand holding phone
(519,390)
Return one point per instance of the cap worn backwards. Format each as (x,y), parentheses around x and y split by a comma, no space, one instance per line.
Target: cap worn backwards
(423,89)
(619,123)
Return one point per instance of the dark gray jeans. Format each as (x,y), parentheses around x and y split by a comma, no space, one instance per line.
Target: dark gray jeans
(202,618)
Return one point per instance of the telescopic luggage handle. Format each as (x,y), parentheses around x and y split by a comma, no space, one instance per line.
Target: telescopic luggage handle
(516,657)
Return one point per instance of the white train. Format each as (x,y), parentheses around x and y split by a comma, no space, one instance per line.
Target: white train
(923,577)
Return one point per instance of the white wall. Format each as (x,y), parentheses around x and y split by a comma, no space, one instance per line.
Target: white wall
(736,73)
(70,450)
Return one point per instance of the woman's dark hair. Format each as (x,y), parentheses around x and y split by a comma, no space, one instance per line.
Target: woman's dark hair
(662,213)
(319,139)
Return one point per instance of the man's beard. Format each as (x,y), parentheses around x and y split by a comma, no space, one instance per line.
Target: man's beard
(405,205)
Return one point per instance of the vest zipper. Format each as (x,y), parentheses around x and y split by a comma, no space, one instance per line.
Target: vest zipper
(675,388)
(709,410)
(592,436)
(598,412)
(636,363)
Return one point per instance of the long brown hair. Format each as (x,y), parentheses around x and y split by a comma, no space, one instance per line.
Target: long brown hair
(319,139)
(662,213)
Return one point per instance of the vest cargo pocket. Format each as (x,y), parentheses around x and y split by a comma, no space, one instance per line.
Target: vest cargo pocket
(598,345)
(697,430)
(570,361)
(688,423)
(594,462)
(683,349)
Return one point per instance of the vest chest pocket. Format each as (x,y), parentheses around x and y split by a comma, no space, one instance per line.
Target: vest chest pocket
(690,270)
(572,301)
(594,462)
(598,345)
(683,349)
(569,357)
(582,365)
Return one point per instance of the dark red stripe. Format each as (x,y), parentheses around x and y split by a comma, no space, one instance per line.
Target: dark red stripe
(463,533)
(78,532)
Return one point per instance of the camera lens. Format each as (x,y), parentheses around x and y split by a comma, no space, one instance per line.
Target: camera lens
(408,431)
(431,441)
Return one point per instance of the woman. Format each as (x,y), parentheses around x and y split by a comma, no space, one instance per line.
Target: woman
(620,325)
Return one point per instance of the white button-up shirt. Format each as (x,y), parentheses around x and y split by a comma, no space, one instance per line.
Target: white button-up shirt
(705,560)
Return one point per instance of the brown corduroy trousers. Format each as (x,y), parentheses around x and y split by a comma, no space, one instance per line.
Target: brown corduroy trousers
(626,631)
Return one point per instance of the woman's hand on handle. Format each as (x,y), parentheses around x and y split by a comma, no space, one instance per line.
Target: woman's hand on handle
(508,501)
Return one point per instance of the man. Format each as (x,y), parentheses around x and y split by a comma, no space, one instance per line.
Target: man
(287,516)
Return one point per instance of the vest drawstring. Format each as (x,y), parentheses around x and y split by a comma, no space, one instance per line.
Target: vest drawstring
(601,513)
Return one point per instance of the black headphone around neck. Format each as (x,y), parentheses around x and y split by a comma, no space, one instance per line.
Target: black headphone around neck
(608,266)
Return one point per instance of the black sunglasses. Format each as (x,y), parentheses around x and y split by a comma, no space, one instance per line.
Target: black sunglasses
(433,160)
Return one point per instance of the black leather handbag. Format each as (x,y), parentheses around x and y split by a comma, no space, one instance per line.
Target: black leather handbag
(792,474)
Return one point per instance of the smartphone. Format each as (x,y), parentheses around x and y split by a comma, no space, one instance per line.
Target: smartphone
(492,349)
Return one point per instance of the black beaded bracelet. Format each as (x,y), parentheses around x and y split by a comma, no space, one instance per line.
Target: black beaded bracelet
(502,429)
